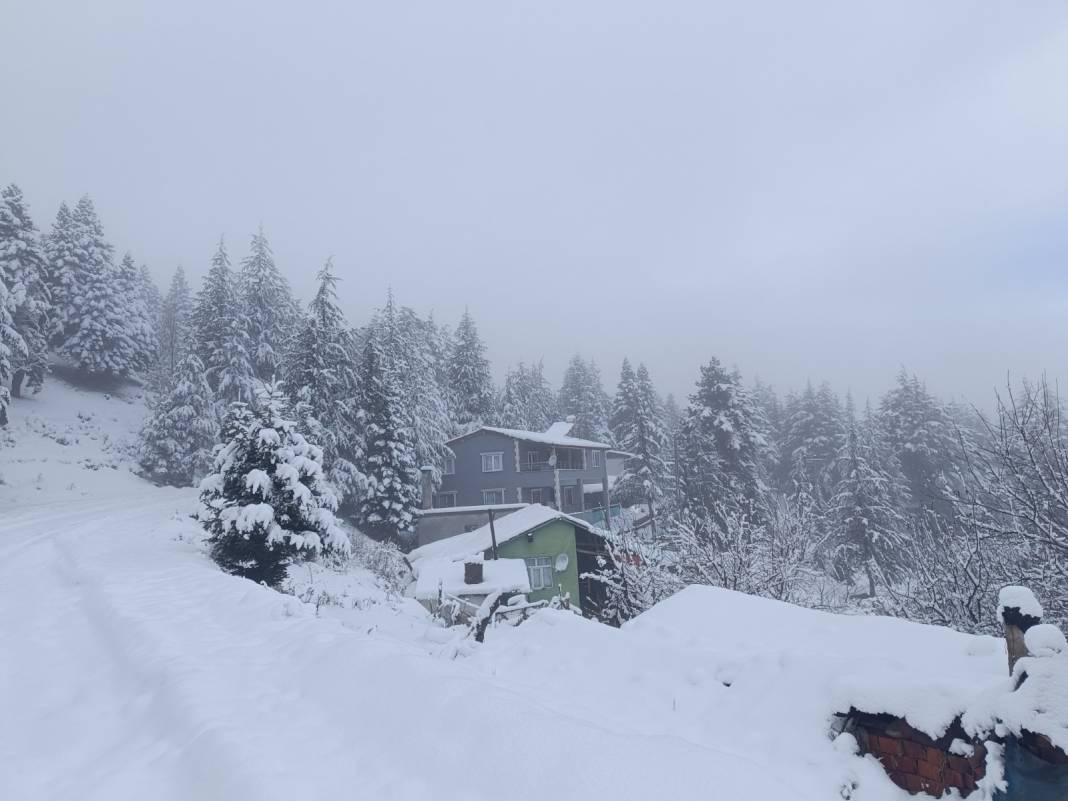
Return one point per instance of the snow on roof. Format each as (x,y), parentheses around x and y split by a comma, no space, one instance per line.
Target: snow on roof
(507,528)
(503,575)
(1037,703)
(560,429)
(542,438)
(500,507)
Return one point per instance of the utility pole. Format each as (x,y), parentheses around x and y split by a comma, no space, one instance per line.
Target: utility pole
(493,534)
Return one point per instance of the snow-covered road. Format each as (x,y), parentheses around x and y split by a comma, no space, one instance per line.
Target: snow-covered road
(132,666)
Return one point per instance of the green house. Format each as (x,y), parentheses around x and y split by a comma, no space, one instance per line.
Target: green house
(556,548)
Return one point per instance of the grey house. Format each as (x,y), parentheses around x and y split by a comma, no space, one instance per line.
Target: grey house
(503,466)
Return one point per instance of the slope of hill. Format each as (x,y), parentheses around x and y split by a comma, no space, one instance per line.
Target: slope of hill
(131,667)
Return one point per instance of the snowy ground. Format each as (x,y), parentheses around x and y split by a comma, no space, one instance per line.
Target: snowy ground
(131,668)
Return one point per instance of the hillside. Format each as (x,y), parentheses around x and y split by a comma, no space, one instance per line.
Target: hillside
(131,667)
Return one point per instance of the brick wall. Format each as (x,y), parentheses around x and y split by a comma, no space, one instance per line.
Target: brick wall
(914,761)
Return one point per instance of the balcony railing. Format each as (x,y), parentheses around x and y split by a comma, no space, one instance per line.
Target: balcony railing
(534,467)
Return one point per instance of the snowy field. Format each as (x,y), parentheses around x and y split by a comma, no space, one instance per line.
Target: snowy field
(132,668)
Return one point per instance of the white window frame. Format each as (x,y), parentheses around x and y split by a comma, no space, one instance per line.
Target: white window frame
(541,495)
(450,465)
(493,503)
(595,458)
(442,494)
(496,457)
(565,492)
(540,572)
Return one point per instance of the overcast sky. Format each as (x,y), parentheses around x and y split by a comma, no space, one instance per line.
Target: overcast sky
(807,190)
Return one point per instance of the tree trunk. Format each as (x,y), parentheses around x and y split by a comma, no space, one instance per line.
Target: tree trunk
(16,383)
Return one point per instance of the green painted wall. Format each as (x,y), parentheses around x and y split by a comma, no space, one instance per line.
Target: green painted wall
(550,540)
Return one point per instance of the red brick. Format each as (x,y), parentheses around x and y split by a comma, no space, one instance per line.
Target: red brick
(914,784)
(914,749)
(906,764)
(885,745)
(930,769)
(900,779)
(959,764)
(953,778)
(934,788)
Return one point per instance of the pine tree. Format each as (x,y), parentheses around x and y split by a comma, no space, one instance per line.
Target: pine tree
(813,438)
(177,438)
(721,448)
(320,381)
(24,275)
(176,325)
(266,504)
(393,481)
(64,271)
(469,380)
(871,533)
(923,438)
(527,402)
(140,325)
(583,397)
(638,428)
(268,306)
(96,337)
(220,327)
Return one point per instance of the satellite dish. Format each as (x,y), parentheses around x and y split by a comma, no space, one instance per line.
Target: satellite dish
(561,563)
(552,460)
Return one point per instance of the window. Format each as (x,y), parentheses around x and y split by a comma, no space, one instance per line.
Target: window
(595,458)
(569,496)
(444,500)
(450,464)
(492,497)
(493,463)
(535,495)
(570,459)
(540,571)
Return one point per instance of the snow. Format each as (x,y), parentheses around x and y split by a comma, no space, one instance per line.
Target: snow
(1019,598)
(131,667)
(539,438)
(479,540)
(560,428)
(1045,639)
(501,575)
(499,507)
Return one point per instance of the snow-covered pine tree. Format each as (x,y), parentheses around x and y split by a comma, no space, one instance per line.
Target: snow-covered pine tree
(96,337)
(220,328)
(319,378)
(64,270)
(924,440)
(176,324)
(672,426)
(469,379)
(177,439)
(813,439)
(393,482)
(24,274)
(141,328)
(268,306)
(527,402)
(153,300)
(583,396)
(408,348)
(266,504)
(871,534)
(721,449)
(638,429)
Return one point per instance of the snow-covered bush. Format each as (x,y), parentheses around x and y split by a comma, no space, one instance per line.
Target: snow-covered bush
(266,503)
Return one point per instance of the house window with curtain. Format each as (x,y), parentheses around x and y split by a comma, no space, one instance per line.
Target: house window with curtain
(540,571)
(492,497)
(492,463)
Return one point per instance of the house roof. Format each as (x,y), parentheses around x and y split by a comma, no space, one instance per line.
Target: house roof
(455,510)
(504,575)
(540,437)
(478,541)
(560,429)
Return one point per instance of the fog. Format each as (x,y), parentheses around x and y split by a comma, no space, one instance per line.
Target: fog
(820,190)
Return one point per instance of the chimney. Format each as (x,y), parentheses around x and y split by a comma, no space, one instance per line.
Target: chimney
(1019,611)
(428,487)
(472,572)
